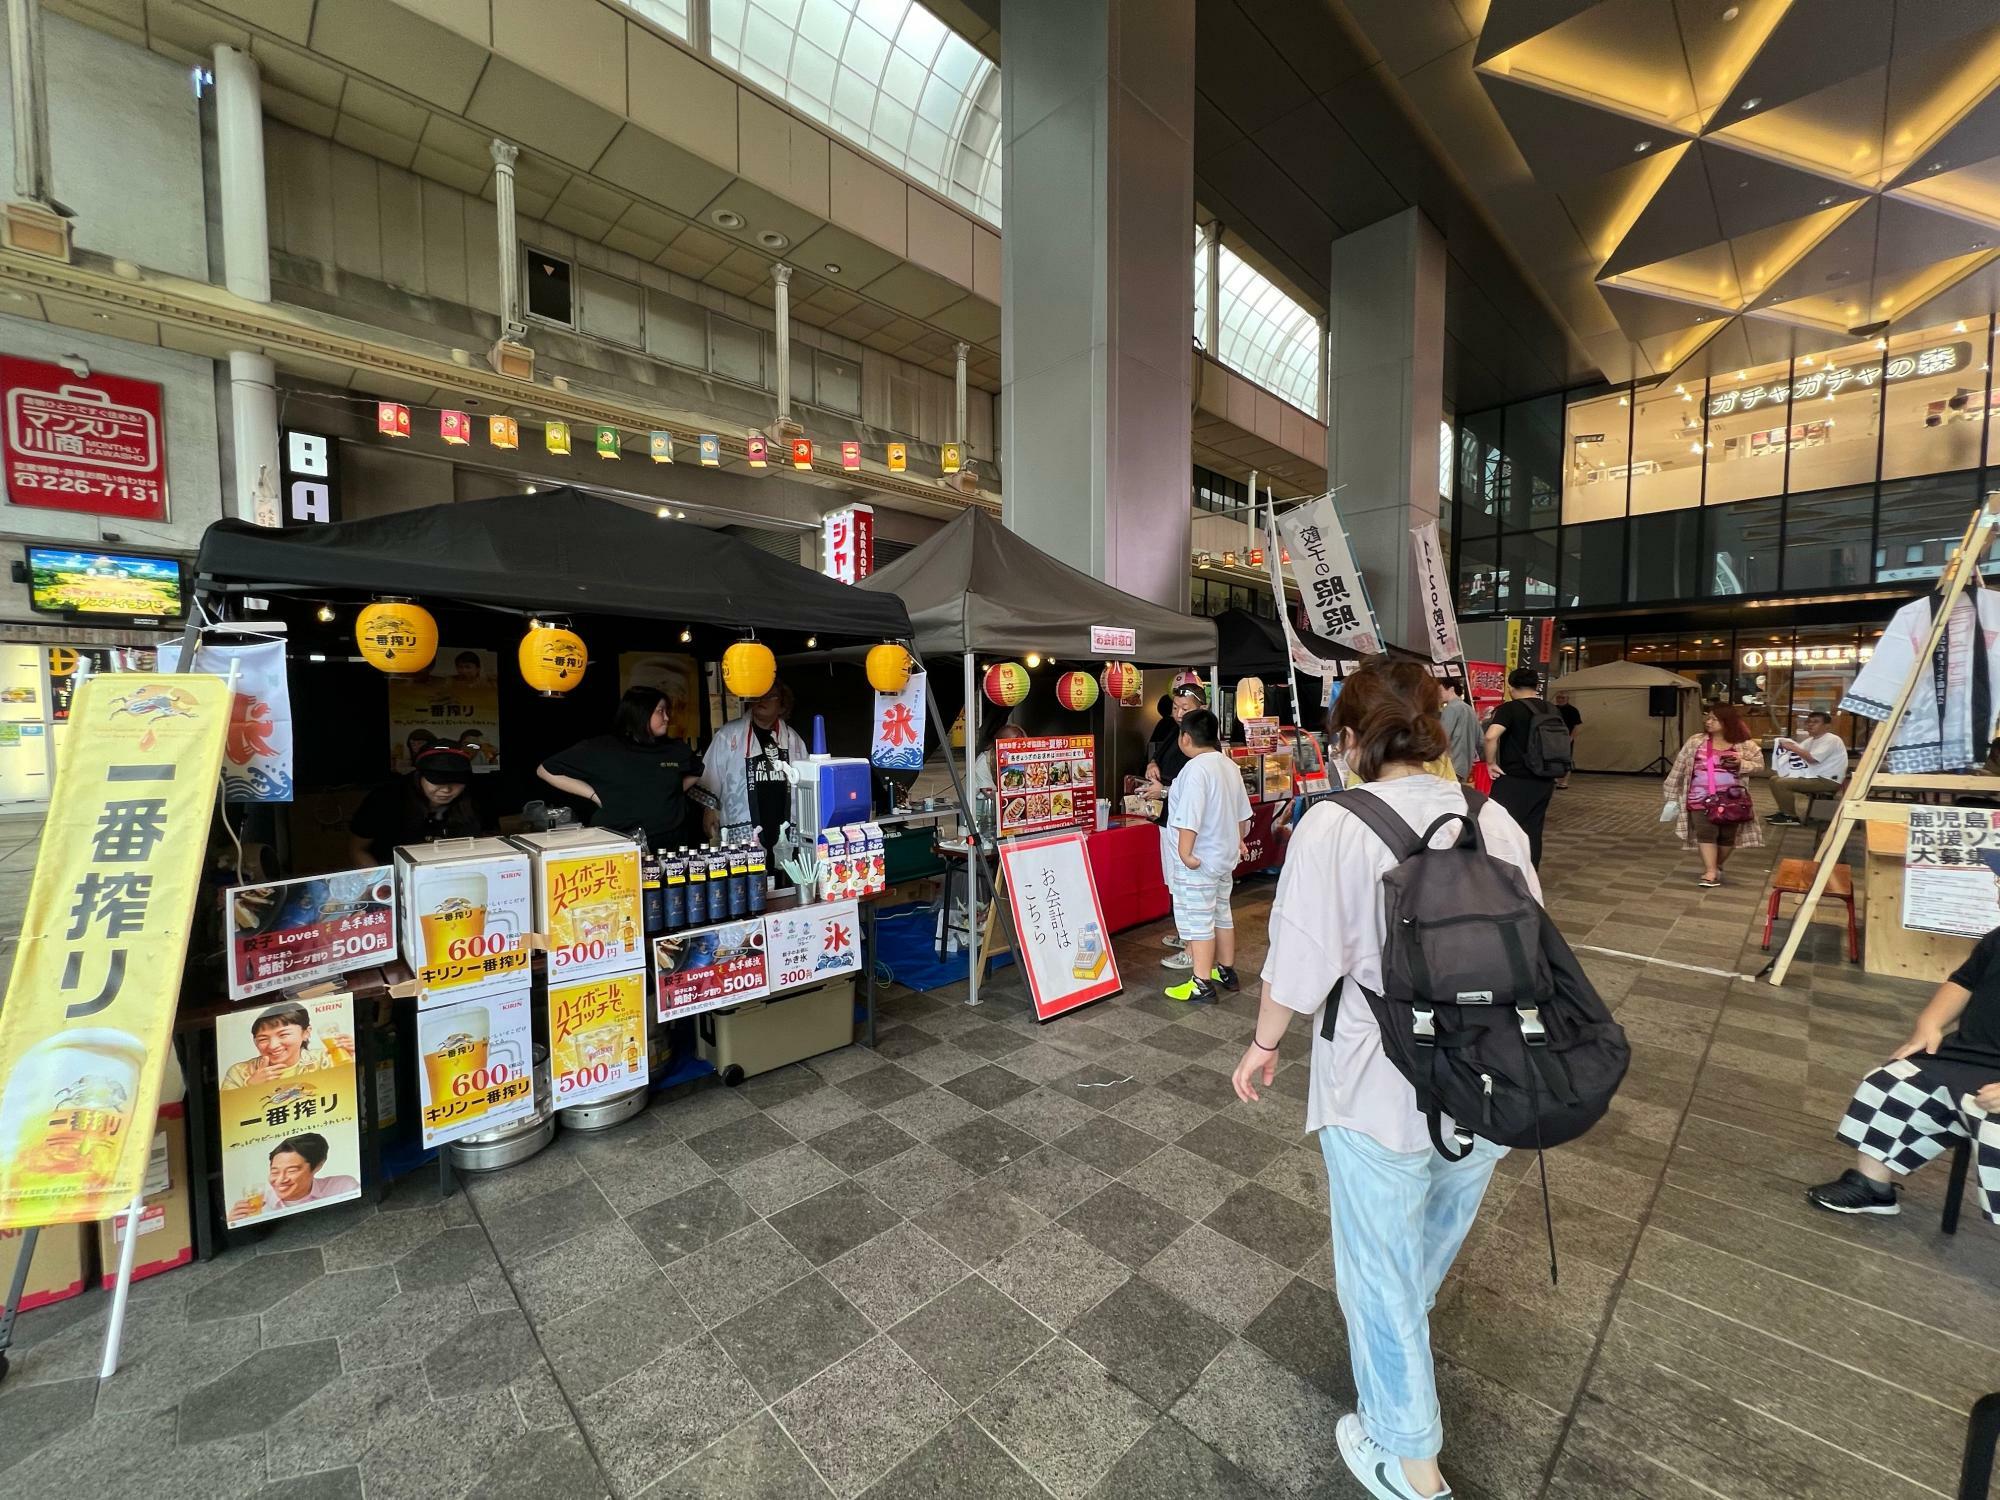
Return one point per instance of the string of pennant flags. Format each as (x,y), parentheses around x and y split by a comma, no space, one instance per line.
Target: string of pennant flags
(392,419)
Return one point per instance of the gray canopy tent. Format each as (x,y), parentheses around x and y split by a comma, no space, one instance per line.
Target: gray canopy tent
(977,587)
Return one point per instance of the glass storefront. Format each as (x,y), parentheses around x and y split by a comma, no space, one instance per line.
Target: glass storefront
(1830,472)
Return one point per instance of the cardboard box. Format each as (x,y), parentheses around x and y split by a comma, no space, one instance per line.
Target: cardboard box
(61,1266)
(586,901)
(467,912)
(166,1225)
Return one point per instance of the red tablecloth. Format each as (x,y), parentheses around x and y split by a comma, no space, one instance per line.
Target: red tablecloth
(1125,859)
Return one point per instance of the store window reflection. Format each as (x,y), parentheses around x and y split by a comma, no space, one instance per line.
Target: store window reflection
(1597,446)
(1593,564)
(1934,400)
(1827,539)
(1836,418)
(1666,448)
(1531,484)
(1921,521)
(1741,546)
(1747,419)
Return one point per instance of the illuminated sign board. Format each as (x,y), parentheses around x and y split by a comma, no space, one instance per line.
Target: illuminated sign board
(1942,359)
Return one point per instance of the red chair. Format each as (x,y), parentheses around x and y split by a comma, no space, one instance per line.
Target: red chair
(1796,877)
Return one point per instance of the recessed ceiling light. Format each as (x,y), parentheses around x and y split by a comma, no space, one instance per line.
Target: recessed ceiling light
(680,515)
(1829,200)
(531,489)
(1731,13)
(1641,148)
(770,239)
(1979,244)
(1959,326)
(1701,320)
(1936,166)
(832,268)
(665,512)
(1751,103)
(726,218)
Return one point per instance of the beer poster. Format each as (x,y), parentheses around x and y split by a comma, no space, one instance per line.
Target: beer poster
(478,1062)
(90,1003)
(455,702)
(294,932)
(290,1108)
(597,1038)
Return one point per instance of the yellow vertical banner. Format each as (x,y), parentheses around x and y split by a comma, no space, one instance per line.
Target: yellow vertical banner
(1513,644)
(90,1004)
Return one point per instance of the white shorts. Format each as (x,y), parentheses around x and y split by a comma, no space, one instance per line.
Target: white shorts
(1201,904)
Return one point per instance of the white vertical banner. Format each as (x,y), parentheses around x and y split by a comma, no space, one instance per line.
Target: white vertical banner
(1302,660)
(1440,621)
(1336,602)
(257,759)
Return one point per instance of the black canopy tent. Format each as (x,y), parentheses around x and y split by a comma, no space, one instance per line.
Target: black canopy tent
(563,551)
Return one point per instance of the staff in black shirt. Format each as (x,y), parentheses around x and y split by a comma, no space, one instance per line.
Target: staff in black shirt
(637,776)
(427,803)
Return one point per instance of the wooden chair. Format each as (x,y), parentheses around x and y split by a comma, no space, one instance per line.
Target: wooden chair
(1796,876)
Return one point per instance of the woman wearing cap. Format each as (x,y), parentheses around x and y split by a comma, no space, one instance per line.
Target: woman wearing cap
(428,803)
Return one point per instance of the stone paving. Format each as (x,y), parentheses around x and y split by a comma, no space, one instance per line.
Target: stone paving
(990,1258)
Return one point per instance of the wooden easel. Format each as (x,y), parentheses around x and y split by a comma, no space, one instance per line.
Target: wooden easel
(1855,805)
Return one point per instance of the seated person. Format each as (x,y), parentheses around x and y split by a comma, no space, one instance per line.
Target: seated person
(1935,1090)
(1807,768)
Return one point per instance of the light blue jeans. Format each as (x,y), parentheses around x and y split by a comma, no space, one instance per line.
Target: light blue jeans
(1399,1218)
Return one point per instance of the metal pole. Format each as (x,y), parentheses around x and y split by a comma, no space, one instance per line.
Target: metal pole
(505,154)
(114,1333)
(1213,251)
(974,857)
(32,174)
(781,277)
(239,149)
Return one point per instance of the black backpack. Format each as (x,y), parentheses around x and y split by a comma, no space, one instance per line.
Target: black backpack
(1484,1008)
(1547,749)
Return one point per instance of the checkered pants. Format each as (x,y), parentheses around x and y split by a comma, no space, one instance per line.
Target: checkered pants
(1904,1117)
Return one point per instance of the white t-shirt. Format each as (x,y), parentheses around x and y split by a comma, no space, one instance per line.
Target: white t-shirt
(1825,755)
(1327,921)
(1208,797)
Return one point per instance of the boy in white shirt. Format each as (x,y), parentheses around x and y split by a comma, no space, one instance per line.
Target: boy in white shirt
(1208,814)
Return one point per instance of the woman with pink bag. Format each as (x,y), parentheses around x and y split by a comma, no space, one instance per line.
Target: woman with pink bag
(1706,785)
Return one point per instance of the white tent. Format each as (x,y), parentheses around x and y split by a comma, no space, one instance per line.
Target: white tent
(1618,732)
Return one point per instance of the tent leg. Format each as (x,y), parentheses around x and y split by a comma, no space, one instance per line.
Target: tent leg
(975,857)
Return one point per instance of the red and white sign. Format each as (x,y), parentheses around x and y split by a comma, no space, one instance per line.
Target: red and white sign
(849,538)
(1488,684)
(710,967)
(93,443)
(298,931)
(1113,640)
(1046,783)
(1060,936)
(812,944)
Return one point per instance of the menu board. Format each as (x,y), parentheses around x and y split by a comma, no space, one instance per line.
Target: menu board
(478,1066)
(808,944)
(293,932)
(597,1037)
(1047,783)
(709,968)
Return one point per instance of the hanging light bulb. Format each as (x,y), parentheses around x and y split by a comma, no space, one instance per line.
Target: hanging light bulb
(686,636)
(326,614)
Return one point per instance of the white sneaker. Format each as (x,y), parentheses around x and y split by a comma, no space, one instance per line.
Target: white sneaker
(1173,940)
(1379,1471)
(1177,961)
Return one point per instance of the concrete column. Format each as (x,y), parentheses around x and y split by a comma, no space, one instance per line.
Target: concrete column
(960,352)
(1211,251)
(239,146)
(1384,399)
(1097,285)
(781,287)
(33,220)
(253,412)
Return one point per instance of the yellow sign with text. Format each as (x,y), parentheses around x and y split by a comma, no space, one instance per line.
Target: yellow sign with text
(90,1004)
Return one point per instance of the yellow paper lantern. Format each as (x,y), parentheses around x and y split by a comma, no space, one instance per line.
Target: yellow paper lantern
(552,659)
(1076,691)
(396,636)
(1005,683)
(888,668)
(749,669)
(1250,698)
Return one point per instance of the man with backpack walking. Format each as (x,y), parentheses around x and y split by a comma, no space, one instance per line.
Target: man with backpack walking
(1528,750)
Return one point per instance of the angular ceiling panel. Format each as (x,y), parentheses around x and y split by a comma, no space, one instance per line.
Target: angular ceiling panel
(1844,169)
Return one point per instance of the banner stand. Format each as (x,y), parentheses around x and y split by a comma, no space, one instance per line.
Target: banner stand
(11,1308)
(114,1331)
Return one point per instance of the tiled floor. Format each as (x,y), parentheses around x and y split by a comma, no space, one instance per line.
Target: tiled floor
(995,1259)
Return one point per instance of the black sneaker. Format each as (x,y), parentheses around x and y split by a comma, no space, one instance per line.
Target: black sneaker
(1784,820)
(1225,975)
(1851,1193)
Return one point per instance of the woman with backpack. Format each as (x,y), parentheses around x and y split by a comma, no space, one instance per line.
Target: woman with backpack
(1707,788)
(1400,1207)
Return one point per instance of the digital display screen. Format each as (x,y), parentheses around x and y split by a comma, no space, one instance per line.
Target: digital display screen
(114,585)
